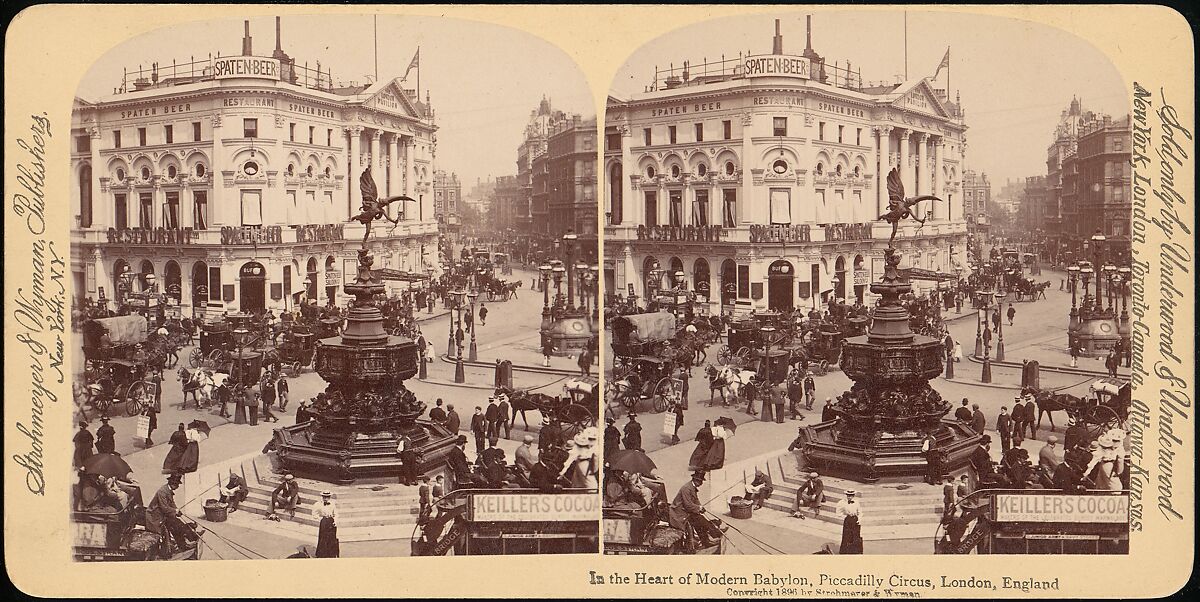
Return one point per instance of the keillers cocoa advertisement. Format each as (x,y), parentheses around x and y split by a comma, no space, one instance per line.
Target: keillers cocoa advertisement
(493,300)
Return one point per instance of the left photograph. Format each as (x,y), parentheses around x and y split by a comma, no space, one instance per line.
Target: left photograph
(318,311)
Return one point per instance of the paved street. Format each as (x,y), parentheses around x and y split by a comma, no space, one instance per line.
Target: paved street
(1038,332)
(511,332)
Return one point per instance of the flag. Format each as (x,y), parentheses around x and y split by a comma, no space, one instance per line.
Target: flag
(416,61)
(945,64)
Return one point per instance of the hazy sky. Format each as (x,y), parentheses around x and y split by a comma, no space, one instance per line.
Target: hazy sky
(483,79)
(1015,77)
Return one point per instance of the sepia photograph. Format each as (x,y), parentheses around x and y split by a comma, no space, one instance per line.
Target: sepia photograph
(867,289)
(289,236)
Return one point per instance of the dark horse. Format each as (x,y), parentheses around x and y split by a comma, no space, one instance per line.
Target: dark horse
(1049,402)
(522,401)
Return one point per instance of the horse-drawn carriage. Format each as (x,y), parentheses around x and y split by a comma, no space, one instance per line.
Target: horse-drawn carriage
(297,349)
(575,410)
(1025,289)
(117,362)
(1106,409)
(643,361)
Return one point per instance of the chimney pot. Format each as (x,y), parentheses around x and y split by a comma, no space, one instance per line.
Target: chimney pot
(247,49)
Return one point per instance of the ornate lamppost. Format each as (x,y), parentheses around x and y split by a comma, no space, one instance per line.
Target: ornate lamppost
(581,275)
(474,355)
(459,374)
(450,314)
(569,243)
(986,303)
(544,281)
(429,288)
(1124,276)
(958,287)
(558,272)
(595,270)
(1000,328)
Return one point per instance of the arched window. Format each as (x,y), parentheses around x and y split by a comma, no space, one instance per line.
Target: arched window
(85,197)
(701,169)
(649,171)
(199,170)
(145,173)
(729,168)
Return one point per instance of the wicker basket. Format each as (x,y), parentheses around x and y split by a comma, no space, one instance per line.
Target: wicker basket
(215,511)
(741,508)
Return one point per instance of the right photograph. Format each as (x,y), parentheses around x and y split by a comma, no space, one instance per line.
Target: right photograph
(866,278)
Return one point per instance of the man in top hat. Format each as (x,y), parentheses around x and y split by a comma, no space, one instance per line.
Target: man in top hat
(458,463)
(1018,421)
(492,417)
(162,515)
(543,478)
(286,496)
(686,509)
(1005,429)
(963,413)
(809,495)
(438,413)
(106,437)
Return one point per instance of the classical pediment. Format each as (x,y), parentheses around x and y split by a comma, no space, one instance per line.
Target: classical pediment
(389,97)
(917,96)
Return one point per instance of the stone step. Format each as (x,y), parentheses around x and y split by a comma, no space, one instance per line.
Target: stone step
(906,515)
(304,516)
(345,510)
(381,498)
(932,495)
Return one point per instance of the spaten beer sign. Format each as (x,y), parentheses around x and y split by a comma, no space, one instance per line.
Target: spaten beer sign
(245,66)
(776,65)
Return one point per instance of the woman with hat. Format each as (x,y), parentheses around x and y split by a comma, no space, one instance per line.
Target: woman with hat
(326,512)
(851,511)
(1108,464)
(704,442)
(83,444)
(715,457)
(582,462)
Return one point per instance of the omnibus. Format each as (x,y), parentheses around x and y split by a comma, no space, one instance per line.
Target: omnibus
(1037,521)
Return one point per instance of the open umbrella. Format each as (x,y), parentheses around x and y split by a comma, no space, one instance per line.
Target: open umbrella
(201,426)
(727,423)
(107,465)
(631,460)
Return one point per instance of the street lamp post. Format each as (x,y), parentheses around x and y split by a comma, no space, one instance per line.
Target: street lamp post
(595,270)
(569,243)
(559,271)
(459,373)
(986,374)
(1000,329)
(429,287)
(474,355)
(767,331)
(958,287)
(450,314)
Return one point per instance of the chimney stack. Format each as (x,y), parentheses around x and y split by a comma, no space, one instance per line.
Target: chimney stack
(278,41)
(246,49)
(808,43)
(777,47)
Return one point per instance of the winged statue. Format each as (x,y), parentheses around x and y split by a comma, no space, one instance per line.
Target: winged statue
(373,207)
(900,207)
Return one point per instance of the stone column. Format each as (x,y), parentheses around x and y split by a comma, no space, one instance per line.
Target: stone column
(744,200)
(885,166)
(920,177)
(942,210)
(628,203)
(355,170)
(906,176)
(216,201)
(393,161)
(376,160)
(101,209)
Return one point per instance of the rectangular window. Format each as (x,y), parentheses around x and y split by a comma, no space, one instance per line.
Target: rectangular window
(781,206)
(700,209)
(312,132)
(671,134)
(251,207)
(169,134)
(171,211)
(821,131)
(329,208)
(249,128)
(858,136)
(612,142)
(116,138)
(83,144)
(214,284)
(328,137)
(141,136)
(146,210)
(291,209)
(651,208)
(676,199)
(1118,144)
(841,128)
(200,209)
(122,207)
(727,129)
(743,281)
(729,207)
(195,131)
(822,211)
(291,132)
(780,126)
(646,134)
(1118,193)
(699,132)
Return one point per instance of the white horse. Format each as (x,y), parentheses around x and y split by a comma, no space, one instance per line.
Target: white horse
(208,382)
(728,378)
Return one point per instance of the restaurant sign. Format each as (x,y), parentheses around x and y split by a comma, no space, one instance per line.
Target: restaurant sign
(535,507)
(319,232)
(151,236)
(1062,508)
(837,232)
(681,233)
(249,235)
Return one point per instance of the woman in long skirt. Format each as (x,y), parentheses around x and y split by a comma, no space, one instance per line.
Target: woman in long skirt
(704,441)
(327,541)
(852,542)
(239,400)
(715,458)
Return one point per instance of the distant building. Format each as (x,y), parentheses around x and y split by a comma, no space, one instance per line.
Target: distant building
(571,165)
(537,132)
(447,195)
(977,200)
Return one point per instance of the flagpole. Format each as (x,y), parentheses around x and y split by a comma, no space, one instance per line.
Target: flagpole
(376,47)
(905,45)
(418,74)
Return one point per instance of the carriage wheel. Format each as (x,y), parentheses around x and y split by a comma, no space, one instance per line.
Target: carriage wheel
(101,403)
(216,357)
(196,358)
(743,354)
(667,393)
(137,397)
(576,416)
(1099,420)
(724,355)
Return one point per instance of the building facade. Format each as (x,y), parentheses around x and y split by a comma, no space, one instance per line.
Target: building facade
(977,201)
(447,194)
(571,165)
(762,180)
(233,180)
(1103,188)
